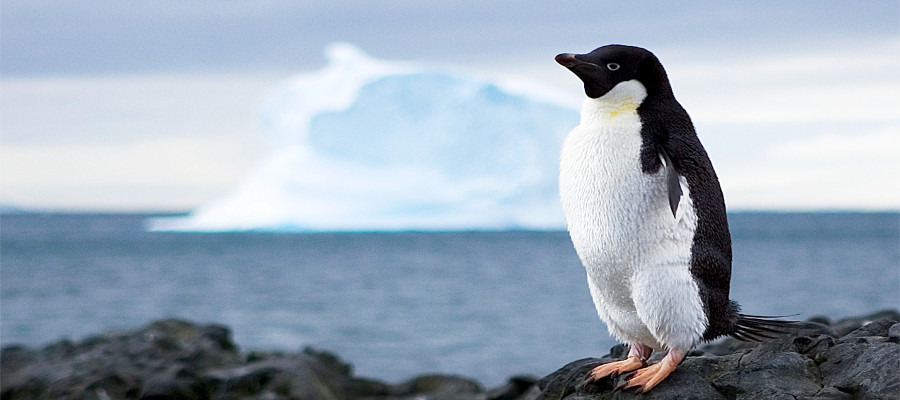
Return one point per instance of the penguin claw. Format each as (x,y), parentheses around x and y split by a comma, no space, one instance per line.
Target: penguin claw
(647,378)
(616,368)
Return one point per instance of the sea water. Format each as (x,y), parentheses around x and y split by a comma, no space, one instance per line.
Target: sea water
(487,305)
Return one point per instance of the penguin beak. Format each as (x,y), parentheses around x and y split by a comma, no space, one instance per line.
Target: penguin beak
(595,80)
(568,60)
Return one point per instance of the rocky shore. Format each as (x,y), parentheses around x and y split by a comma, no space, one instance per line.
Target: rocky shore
(854,358)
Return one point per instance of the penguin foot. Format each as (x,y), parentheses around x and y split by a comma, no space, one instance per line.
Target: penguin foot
(647,378)
(637,358)
(629,364)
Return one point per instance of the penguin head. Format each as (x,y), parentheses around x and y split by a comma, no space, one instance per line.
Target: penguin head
(605,67)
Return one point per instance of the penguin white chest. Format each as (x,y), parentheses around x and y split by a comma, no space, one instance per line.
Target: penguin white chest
(636,253)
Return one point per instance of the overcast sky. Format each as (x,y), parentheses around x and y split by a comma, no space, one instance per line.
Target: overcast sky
(115,105)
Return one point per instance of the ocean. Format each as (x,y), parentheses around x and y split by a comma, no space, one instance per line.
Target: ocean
(487,305)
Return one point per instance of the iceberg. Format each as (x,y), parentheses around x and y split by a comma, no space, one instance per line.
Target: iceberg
(371,145)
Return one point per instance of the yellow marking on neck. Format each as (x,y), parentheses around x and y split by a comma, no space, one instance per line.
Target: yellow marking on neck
(625,107)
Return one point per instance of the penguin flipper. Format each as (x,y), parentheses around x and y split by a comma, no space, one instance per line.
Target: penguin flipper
(673,184)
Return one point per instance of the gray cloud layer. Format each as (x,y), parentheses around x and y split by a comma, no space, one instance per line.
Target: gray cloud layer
(75,37)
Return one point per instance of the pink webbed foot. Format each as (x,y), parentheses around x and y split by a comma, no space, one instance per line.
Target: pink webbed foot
(637,358)
(647,378)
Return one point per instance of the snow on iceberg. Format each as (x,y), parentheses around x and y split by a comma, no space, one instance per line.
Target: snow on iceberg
(369,145)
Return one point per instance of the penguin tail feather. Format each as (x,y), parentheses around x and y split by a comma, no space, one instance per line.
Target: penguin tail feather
(756,328)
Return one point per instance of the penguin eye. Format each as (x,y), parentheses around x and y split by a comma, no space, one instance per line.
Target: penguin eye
(612,66)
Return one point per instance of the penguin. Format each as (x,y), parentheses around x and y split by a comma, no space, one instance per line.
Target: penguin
(646,215)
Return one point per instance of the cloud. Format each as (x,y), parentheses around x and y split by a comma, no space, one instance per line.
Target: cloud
(128,142)
(156,174)
(74,37)
(843,84)
(123,108)
(881,145)
(828,171)
(804,130)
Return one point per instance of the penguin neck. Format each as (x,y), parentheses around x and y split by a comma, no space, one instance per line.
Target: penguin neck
(623,99)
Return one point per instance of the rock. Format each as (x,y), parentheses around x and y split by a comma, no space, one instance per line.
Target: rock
(851,324)
(115,364)
(173,359)
(518,387)
(308,375)
(864,370)
(569,383)
(175,383)
(437,387)
(894,333)
(765,372)
(853,358)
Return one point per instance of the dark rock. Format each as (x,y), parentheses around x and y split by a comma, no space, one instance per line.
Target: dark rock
(894,333)
(711,366)
(176,383)
(878,328)
(854,358)
(517,387)
(851,324)
(864,370)
(569,380)
(820,319)
(438,387)
(814,346)
(831,393)
(113,385)
(725,346)
(765,372)
(308,375)
(570,383)
(681,379)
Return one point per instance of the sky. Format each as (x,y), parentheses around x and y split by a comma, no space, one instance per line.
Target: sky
(154,106)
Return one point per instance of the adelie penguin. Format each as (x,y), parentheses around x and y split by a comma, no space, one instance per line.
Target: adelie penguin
(646,215)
